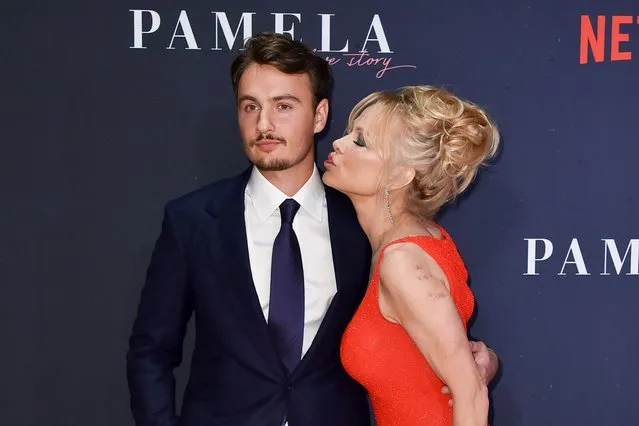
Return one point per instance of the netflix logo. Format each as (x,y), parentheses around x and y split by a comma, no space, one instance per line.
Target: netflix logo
(607,38)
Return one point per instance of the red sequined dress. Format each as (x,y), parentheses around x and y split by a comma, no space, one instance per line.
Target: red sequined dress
(379,354)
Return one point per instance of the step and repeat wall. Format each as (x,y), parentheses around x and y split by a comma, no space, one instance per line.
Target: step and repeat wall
(109,109)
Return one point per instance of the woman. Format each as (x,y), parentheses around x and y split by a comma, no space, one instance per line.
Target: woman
(406,154)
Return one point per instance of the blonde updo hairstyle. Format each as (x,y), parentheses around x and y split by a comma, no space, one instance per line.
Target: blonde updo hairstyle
(445,139)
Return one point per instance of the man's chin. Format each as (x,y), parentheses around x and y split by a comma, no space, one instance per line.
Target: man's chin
(273,165)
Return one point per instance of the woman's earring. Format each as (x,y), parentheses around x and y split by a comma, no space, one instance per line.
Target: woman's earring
(388,206)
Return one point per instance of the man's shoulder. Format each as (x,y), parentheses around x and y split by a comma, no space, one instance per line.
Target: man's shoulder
(197,199)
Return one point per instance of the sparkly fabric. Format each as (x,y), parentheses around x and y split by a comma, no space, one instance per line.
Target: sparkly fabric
(404,389)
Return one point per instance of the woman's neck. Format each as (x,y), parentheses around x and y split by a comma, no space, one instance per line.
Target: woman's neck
(376,221)
(382,226)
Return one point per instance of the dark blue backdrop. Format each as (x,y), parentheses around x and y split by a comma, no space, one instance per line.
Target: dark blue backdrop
(101,124)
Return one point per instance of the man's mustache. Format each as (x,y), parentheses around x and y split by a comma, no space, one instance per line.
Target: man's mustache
(268,136)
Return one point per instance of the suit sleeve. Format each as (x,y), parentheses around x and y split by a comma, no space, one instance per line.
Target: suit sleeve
(155,345)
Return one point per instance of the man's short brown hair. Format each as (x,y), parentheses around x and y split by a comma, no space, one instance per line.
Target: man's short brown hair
(286,55)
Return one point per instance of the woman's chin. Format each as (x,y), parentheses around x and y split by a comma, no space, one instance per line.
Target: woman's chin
(329,179)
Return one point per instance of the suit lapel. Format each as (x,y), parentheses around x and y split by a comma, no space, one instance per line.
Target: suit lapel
(351,254)
(342,228)
(229,251)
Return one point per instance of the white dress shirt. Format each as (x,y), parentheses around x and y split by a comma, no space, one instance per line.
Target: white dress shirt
(263,220)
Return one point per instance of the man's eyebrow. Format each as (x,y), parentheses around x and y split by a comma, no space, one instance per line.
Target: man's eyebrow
(246,98)
(287,97)
(284,97)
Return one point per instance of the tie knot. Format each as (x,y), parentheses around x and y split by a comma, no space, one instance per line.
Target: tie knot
(288,208)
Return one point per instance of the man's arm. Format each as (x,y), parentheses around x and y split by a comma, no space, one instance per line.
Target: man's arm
(486,360)
(155,346)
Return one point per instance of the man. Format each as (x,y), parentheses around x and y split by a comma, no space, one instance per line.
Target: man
(272,263)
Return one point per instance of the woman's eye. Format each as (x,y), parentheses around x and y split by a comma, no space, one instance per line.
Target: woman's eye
(360,141)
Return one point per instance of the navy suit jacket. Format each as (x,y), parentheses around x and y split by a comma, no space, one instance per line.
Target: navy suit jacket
(200,265)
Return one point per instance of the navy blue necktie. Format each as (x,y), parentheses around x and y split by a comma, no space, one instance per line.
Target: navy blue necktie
(286,308)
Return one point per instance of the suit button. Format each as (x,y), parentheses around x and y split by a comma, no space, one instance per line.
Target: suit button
(289,387)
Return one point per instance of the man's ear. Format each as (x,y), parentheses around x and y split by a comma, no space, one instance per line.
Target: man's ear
(321,115)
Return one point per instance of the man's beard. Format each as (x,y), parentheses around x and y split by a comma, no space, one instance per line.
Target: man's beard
(274,165)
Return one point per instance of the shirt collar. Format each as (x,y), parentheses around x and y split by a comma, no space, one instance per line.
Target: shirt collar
(267,198)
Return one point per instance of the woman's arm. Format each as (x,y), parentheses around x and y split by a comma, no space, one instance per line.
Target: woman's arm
(414,293)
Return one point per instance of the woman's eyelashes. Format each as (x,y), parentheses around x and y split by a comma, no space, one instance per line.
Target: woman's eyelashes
(359,141)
